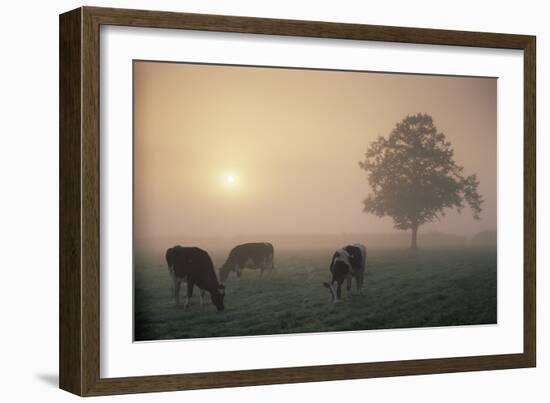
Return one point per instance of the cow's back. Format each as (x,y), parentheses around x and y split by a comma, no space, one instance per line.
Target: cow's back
(191,261)
(256,251)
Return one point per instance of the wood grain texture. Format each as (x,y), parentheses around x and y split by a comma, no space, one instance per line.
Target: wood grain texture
(70,314)
(90,202)
(80,200)
(317,29)
(304,374)
(530,202)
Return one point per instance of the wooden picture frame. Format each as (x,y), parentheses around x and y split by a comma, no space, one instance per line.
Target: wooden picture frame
(80,199)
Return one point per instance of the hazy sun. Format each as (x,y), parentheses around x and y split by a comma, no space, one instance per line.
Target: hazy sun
(230,179)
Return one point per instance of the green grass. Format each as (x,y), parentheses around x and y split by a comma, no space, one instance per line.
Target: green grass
(403,289)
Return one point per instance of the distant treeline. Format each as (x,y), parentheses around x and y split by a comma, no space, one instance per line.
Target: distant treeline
(305,241)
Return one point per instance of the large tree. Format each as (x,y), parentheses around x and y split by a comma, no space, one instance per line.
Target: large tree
(414,178)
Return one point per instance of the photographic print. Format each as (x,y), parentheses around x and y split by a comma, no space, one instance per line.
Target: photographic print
(273,200)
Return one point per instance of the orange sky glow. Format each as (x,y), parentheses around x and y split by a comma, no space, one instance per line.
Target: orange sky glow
(228,150)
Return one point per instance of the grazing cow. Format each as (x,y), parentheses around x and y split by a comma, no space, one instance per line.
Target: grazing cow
(347,263)
(171,255)
(194,266)
(257,255)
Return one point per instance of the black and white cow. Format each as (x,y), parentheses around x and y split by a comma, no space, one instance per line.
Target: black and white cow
(258,255)
(194,266)
(347,263)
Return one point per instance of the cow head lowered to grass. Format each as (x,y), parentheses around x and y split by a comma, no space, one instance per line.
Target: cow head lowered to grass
(194,266)
(347,263)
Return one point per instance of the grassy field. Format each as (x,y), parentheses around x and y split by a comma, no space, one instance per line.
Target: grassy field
(403,289)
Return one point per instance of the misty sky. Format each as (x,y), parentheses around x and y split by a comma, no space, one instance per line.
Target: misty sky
(223,151)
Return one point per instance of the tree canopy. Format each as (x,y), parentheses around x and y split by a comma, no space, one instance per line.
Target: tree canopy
(414,178)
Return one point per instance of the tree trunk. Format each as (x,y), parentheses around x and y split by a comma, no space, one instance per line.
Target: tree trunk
(414,231)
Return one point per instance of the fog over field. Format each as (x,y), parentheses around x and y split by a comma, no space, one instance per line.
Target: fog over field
(225,155)
(242,153)
(433,286)
(154,247)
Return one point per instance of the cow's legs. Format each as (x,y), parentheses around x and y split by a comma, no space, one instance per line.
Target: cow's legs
(348,284)
(190,286)
(173,278)
(359,282)
(332,294)
(267,266)
(338,292)
(202,297)
(176,288)
(332,286)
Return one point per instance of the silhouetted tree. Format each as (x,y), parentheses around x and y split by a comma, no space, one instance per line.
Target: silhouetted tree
(414,178)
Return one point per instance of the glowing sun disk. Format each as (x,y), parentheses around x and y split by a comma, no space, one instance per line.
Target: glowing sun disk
(230,179)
